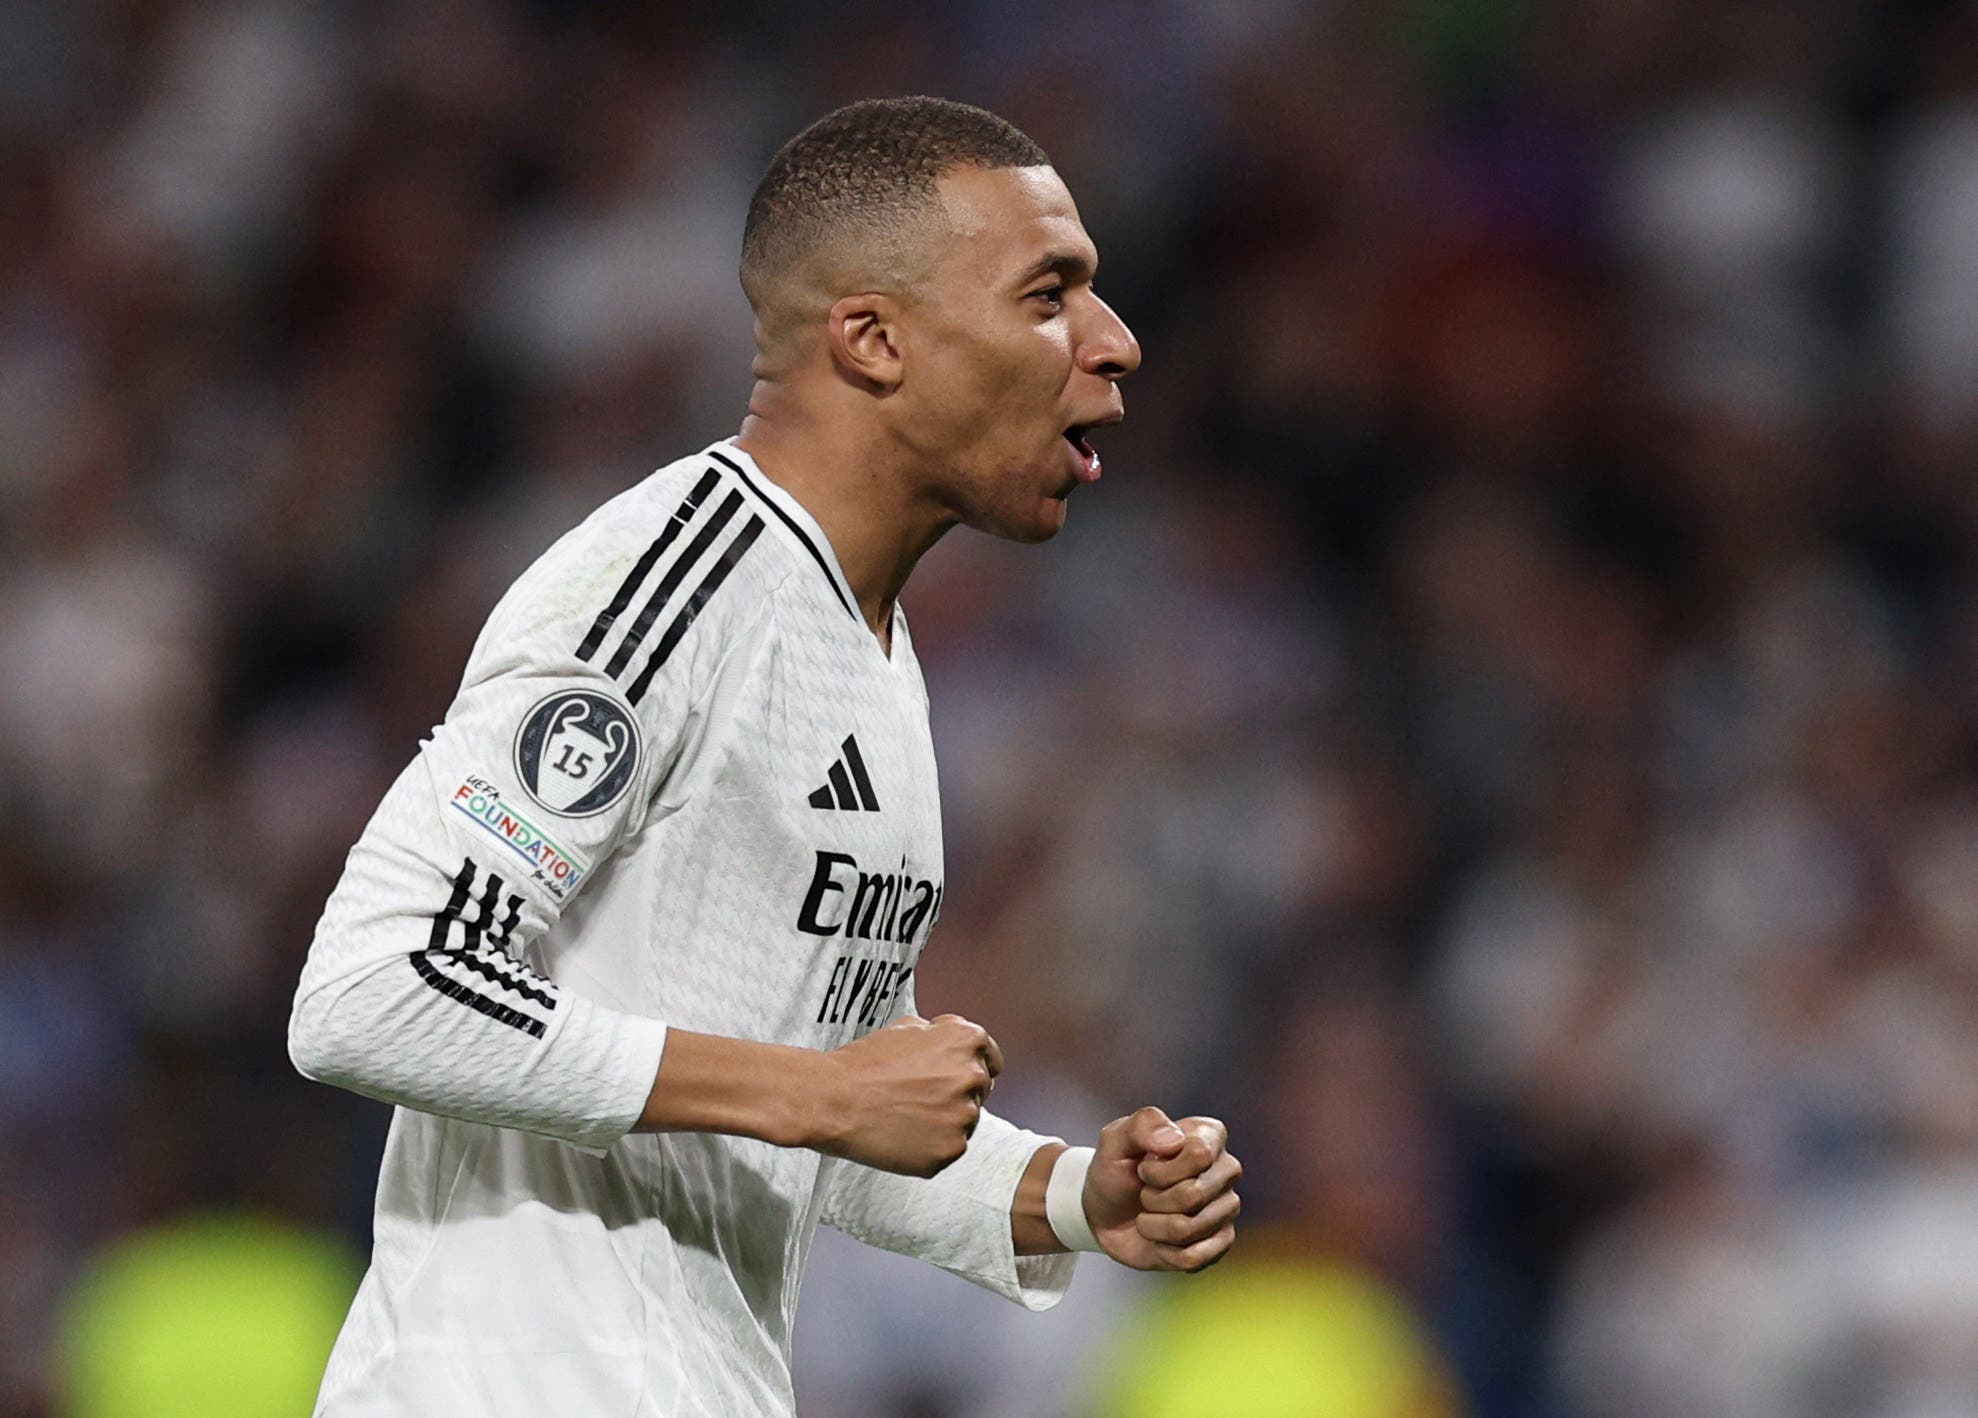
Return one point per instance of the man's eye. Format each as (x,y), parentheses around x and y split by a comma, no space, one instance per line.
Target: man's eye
(1053,296)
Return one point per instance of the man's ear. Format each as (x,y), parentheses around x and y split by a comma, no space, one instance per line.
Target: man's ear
(863,332)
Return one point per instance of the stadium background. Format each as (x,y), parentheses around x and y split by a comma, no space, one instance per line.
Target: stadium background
(1502,734)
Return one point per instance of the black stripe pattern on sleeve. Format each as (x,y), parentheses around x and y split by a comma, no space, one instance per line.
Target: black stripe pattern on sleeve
(636,577)
(695,564)
(703,593)
(670,582)
(485,932)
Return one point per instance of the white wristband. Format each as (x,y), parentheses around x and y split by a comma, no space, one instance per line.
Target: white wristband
(1064,1200)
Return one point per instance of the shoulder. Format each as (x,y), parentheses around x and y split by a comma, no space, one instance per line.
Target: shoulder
(652,584)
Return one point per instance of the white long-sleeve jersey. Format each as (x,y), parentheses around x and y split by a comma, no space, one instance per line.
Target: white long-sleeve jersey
(682,784)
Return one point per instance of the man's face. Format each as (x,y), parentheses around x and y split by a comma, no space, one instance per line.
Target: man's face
(1009,354)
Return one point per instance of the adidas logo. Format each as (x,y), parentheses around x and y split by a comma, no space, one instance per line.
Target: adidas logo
(849,790)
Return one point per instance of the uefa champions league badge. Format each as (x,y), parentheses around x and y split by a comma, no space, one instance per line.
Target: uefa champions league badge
(577,752)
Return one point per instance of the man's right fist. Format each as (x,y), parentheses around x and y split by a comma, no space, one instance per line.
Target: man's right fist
(906,1098)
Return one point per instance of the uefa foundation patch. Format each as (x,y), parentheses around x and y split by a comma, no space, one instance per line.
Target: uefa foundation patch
(561,870)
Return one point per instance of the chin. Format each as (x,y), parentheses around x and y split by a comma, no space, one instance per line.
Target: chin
(1010,520)
(1049,521)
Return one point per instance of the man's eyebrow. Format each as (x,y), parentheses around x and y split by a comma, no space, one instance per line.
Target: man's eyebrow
(1068,266)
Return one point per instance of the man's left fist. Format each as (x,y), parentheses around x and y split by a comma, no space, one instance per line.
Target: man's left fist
(1162,1195)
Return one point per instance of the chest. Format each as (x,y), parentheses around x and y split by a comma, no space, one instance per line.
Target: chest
(830,752)
(809,854)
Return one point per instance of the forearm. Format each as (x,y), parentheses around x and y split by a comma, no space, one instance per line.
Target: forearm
(1030,1228)
(707,1083)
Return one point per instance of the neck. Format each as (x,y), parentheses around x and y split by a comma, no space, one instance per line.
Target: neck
(859,490)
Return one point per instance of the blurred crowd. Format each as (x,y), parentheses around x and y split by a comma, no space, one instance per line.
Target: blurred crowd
(1504,733)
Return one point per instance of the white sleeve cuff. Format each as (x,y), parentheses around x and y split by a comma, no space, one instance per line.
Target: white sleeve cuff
(1064,1200)
(624,1061)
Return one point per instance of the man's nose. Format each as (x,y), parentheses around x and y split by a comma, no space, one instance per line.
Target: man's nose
(1109,350)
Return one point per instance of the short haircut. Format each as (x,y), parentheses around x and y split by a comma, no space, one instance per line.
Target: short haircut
(866,174)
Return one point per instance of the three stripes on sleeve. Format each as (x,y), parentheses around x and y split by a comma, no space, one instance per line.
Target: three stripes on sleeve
(669,583)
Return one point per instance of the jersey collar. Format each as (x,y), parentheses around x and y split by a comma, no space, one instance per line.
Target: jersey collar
(796,522)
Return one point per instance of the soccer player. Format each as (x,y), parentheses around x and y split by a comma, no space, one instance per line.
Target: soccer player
(631,943)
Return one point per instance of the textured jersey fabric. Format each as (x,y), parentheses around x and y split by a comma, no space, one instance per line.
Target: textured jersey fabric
(682,785)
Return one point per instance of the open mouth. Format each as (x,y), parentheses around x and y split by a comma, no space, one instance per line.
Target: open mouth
(1088,456)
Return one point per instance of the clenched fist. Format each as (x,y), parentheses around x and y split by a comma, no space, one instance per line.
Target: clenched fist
(905,1098)
(1162,1195)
